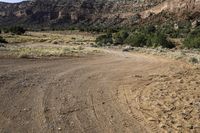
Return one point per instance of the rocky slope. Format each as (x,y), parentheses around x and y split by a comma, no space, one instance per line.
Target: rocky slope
(47,13)
(179,7)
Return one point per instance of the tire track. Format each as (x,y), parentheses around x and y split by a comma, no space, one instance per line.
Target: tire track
(79,95)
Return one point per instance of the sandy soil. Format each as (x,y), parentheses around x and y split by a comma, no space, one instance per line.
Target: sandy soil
(112,93)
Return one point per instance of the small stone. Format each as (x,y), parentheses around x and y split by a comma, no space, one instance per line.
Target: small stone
(190,126)
(129,111)
(72,123)
(125,124)
(59,129)
(180,81)
(179,126)
(196,126)
(46,110)
(197,82)
(138,76)
(26,109)
(195,23)
(151,119)
(162,125)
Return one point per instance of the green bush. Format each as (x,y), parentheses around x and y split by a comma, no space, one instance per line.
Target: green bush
(192,42)
(2,40)
(120,37)
(149,36)
(150,29)
(166,29)
(136,40)
(159,40)
(184,24)
(5,30)
(17,30)
(195,32)
(104,39)
(169,31)
(150,40)
(181,32)
(117,39)
(193,39)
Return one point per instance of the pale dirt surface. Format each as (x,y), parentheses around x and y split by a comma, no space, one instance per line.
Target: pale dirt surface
(112,93)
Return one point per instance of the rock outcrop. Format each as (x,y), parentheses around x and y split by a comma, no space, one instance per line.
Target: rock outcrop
(47,13)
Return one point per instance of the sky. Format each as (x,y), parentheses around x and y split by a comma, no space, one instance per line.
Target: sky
(11,1)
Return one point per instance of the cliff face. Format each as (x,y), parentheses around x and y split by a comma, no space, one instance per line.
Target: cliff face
(92,12)
(52,12)
(178,7)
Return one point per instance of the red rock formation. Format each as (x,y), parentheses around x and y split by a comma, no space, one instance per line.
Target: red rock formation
(96,12)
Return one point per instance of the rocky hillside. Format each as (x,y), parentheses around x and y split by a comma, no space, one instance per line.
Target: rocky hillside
(49,13)
(178,7)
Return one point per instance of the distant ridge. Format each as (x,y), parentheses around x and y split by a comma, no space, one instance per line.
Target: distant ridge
(105,13)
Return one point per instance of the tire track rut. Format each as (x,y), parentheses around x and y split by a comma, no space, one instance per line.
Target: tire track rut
(90,94)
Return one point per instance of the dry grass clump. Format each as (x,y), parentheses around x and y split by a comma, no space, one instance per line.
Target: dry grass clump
(28,52)
(50,51)
(50,37)
(47,44)
(55,42)
(193,60)
(190,56)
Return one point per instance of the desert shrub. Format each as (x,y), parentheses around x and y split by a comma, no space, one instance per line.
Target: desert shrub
(192,42)
(104,39)
(193,39)
(82,29)
(136,39)
(117,39)
(159,40)
(124,34)
(71,28)
(146,36)
(181,33)
(184,24)
(120,37)
(185,31)
(167,30)
(195,32)
(2,40)
(150,29)
(174,34)
(171,32)
(96,29)
(193,60)
(17,30)
(5,30)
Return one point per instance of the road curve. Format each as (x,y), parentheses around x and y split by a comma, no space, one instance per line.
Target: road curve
(96,94)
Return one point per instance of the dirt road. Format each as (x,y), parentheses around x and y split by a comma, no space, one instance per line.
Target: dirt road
(96,94)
